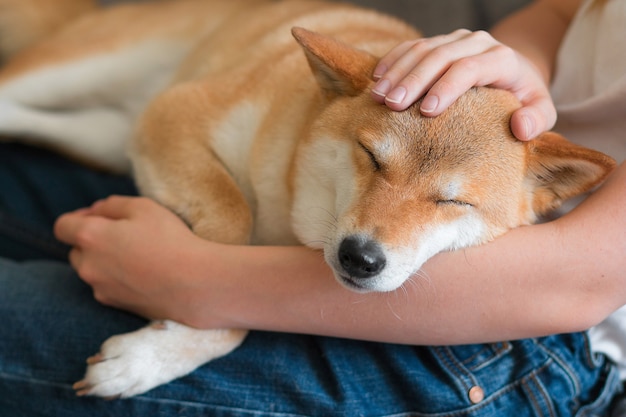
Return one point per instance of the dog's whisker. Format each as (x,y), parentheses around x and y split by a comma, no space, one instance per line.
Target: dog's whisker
(403,288)
(327,222)
(420,276)
(314,243)
(359,300)
(396,315)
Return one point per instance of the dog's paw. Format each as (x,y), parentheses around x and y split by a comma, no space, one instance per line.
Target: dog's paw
(133,363)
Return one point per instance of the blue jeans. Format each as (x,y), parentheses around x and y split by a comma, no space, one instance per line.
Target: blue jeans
(51,324)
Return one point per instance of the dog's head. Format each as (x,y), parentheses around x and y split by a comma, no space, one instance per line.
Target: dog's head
(383,191)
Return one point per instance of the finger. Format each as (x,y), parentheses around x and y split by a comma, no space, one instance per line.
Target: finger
(82,229)
(460,77)
(437,64)
(533,119)
(537,114)
(390,57)
(116,207)
(75,258)
(388,68)
(401,61)
(413,50)
(66,226)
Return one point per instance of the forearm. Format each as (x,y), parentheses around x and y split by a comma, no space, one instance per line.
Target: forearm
(558,277)
(536,280)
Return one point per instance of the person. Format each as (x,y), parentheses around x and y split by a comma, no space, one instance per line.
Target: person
(434,347)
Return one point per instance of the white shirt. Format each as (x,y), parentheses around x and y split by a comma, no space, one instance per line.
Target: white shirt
(589,87)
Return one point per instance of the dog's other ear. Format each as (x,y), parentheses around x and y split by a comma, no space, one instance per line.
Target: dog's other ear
(340,69)
(559,169)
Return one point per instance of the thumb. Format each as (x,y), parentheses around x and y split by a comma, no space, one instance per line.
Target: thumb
(66,226)
(115,207)
(534,118)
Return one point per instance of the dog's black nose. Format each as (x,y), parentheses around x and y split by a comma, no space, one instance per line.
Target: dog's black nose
(361,257)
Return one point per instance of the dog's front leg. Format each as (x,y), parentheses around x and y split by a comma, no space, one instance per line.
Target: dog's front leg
(175,167)
(133,363)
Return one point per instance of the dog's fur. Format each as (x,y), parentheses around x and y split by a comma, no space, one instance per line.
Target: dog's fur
(250,140)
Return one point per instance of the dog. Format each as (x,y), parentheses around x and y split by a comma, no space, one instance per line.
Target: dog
(252,120)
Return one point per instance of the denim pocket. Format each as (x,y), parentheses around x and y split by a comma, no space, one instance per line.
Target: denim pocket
(482,379)
(476,357)
(609,386)
(594,378)
(552,376)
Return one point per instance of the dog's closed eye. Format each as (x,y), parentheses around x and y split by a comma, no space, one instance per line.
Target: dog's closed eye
(372,157)
(454,202)
(452,194)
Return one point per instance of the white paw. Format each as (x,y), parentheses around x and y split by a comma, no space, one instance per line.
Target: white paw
(133,363)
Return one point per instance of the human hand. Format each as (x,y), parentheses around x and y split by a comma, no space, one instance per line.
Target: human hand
(132,252)
(442,68)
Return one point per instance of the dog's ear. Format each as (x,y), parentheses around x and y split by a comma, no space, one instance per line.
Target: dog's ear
(340,69)
(558,169)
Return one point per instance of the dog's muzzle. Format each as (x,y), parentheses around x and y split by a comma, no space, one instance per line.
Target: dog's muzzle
(361,259)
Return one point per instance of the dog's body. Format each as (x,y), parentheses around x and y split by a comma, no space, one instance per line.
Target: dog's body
(232,132)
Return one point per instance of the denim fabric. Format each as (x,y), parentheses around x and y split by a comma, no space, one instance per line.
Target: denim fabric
(51,324)
(35,188)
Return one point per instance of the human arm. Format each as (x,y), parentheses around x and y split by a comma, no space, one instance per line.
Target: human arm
(518,56)
(557,277)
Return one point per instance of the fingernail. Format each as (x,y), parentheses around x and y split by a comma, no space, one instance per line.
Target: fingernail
(382,87)
(379,71)
(396,95)
(429,104)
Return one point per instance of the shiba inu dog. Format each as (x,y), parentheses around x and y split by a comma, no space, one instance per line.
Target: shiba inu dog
(252,120)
